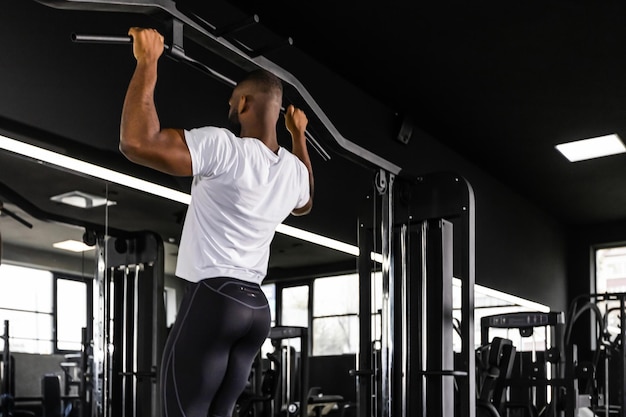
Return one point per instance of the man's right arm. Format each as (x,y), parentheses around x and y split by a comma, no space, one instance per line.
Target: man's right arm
(141,138)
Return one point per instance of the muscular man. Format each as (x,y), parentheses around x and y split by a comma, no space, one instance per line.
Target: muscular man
(243,188)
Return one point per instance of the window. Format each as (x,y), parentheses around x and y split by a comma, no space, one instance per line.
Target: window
(71,318)
(39,304)
(295,306)
(335,315)
(610,278)
(26,303)
(611,270)
(295,311)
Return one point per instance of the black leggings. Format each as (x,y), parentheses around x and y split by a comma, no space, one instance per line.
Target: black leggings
(219,329)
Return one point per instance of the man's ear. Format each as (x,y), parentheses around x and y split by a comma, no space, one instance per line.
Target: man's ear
(242,104)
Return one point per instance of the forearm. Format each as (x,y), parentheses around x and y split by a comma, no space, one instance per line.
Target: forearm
(299,149)
(140,122)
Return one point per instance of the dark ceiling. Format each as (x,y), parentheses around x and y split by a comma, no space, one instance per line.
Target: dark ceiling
(501,83)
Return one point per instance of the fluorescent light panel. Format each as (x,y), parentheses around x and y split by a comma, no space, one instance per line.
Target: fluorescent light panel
(82,200)
(592,148)
(72,246)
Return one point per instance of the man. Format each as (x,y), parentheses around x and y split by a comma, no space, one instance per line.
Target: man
(243,187)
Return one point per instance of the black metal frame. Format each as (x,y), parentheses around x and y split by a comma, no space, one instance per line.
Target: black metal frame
(214,39)
(291,332)
(425,226)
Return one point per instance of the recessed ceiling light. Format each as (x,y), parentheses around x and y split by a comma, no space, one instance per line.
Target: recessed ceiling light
(82,200)
(592,148)
(72,246)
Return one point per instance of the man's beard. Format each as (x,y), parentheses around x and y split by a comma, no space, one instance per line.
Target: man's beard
(233,122)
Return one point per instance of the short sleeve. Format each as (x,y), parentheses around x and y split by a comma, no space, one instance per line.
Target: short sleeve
(211,148)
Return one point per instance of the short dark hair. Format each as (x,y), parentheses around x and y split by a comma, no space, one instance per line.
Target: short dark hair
(265,80)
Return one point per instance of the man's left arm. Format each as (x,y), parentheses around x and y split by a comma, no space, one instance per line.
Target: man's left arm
(296,122)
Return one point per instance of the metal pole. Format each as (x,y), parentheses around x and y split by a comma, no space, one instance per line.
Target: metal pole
(405,320)
(99,330)
(385,185)
(135,339)
(622,409)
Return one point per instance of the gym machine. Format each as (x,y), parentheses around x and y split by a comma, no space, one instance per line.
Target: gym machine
(537,384)
(292,396)
(7,376)
(424,228)
(128,330)
(601,378)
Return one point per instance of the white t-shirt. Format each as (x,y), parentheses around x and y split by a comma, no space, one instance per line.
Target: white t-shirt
(241,191)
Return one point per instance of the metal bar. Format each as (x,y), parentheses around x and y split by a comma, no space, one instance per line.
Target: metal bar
(227,50)
(14,216)
(467,386)
(622,336)
(98,359)
(405,321)
(366,365)
(135,337)
(6,358)
(125,324)
(385,182)
(128,40)
(439,346)
(423,299)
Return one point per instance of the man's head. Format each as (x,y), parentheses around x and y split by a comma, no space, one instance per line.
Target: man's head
(260,93)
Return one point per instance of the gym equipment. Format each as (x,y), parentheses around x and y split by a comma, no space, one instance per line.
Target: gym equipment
(223,41)
(495,364)
(598,384)
(7,376)
(320,404)
(128,331)
(8,400)
(537,385)
(292,396)
(261,393)
(178,54)
(78,377)
(51,393)
(425,228)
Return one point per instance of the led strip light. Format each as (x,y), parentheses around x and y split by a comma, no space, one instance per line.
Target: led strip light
(106,174)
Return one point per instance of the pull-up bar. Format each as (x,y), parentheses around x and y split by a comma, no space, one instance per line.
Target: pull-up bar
(179,55)
(210,38)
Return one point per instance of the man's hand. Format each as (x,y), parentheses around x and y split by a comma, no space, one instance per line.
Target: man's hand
(147,44)
(296,122)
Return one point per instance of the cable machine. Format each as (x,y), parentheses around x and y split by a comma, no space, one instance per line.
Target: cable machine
(424,229)
(128,330)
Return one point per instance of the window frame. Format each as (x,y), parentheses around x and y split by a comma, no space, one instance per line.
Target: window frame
(53,293)
(89,305)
